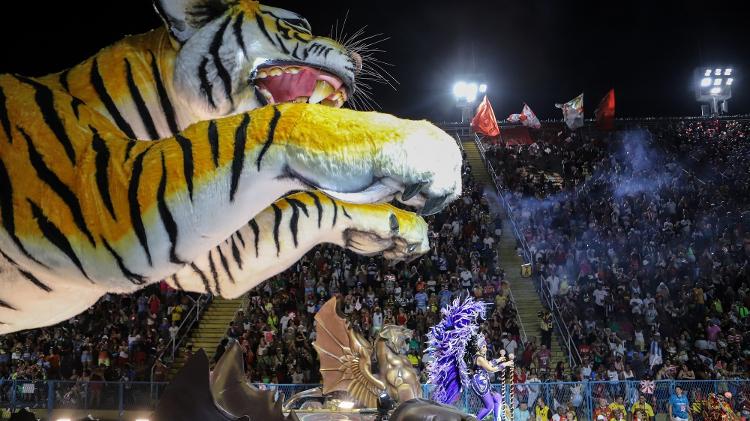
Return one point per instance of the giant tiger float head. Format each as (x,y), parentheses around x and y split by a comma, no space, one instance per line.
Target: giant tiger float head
(237,55)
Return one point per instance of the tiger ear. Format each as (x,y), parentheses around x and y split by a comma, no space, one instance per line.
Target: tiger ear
(185,17)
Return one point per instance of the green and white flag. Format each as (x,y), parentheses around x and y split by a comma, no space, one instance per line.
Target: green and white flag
(573,112)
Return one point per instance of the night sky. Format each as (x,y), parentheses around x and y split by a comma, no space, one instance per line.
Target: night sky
(540,52)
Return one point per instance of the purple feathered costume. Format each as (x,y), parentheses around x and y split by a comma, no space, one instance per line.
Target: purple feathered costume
(446,346)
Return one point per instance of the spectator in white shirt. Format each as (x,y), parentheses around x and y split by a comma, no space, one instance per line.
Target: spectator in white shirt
(636,305)
(298,377)
(509,343)
(599,295)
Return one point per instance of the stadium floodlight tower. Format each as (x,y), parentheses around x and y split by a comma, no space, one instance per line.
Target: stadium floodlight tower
(713,88)
(466,94)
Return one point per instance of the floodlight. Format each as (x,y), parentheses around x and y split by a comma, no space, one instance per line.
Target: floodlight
(141,419)
(471,91)
(713,86)
(63,419)
(459,89)
(466,93)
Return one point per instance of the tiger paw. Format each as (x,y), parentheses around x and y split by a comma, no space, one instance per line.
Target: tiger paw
(362,157)
(381,228)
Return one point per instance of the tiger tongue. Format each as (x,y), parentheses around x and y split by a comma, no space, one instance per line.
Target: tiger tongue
(288,86)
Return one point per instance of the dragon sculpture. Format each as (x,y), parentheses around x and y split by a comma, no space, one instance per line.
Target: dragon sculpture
(225,395)
(345,359)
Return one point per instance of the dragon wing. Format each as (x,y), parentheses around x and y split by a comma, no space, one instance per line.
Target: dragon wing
(345,358)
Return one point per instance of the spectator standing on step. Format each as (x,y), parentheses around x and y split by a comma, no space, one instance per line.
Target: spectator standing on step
(545,327)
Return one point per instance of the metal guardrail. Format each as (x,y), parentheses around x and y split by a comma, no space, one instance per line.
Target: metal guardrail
(582,397)
(458,141)
(491,171)
(78,395)
(574,357)
(188,321)
(524,336)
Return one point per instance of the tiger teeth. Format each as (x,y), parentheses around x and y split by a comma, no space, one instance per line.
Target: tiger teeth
(292,70)
(335,103)
(261,75)
(301,99)
(268,95)
(322,91)
(275,72)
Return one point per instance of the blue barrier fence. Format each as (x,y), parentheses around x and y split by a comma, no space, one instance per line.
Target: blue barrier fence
(581,397)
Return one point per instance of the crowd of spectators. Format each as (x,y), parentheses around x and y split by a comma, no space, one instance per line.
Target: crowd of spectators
(117,339)
(463,259)
(642,238)
(680,404)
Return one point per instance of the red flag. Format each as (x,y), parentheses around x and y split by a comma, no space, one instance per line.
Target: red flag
(605,112)
(484,121)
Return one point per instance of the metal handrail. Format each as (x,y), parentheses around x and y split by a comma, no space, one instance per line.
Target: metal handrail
(458,140)
(573,355)
(524,336)
(190,319)
(559,321)
(506,204)
(127,401)
(491,171)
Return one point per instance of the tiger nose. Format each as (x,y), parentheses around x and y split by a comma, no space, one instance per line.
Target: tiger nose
(357,62)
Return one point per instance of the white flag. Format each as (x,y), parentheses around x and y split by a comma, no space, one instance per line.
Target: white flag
(527,118)
(531,119)
(573,112)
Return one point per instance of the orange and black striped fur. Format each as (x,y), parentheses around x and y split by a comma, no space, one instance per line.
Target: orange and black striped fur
(158,158)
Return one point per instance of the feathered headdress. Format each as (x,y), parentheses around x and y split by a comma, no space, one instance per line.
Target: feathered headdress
(446,346)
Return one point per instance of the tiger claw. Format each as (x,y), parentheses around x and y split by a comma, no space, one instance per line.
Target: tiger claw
(380,228)
(433,205)
(412,190)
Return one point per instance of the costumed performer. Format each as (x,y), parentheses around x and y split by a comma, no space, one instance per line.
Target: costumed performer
(458,351)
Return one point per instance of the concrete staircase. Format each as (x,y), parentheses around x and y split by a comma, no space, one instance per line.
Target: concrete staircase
(474,158)
(526,299)
(210,330)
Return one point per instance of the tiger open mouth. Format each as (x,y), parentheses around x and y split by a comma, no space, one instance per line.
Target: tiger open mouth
(276,84)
